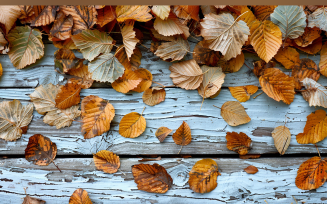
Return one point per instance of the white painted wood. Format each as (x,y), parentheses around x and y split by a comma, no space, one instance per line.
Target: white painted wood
(274,182)
(208,127)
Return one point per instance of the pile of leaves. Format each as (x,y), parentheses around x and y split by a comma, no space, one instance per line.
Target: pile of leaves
(276,34)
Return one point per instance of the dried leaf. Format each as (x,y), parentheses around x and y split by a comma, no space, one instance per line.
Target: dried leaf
(314,93)
(80,196)
(290,19)
(309,35)
(43,15)
(176,49)
(213,78)
(187,11)
(129,38)
(154,96)
(106,15)
(266,38)
(1,71)
(282,138)
(40,150)
(161,11)
(234,113)
(251,169)
(127,82)
(260,66)
(312,49)
(106,68)
(3,42)
(278,85)
(203,55)
(203,176)
(30,200)
(67,44)
(26,46)
(133,63)
(232,65)
(171,26)
(318,19)
(151,178)
(84,76)
(62,26)
(246,15)
(315,129)
(238,142)
(187,74)
(9,15)
(84,17)
(162,133)
(26,11)
(66,61)
(106,161)
(243,93)
(323,60)
(14,118)
(92,43)
(132,125)
(288,57)
(311,174)
(146,77)
(262,12)
(138,13)
(68,95)
(97,115)
(206,9)
(224,34)
(182,136)
(306,68)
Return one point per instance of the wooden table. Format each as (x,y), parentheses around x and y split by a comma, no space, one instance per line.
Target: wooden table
(274,183)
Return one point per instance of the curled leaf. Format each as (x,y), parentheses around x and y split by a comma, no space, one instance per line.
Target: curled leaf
(106,161)
(313,48)
(238,142)
(154,96)
(9,15)
(318,19)
(213,78)
(171,26)
(243,93)
(314,93)
(129,38)
(162,133)
(305,68)
(161,11)
(234,113)
(309,35)
(132,125)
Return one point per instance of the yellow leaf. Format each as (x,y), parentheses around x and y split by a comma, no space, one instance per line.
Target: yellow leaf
(213,79)
(243,93)
(161,11)
(146,77)
(127,82)
(288,57)
(138,13)
(132,125)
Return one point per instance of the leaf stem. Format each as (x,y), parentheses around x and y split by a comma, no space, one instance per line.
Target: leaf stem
(143,110)
(216,106)
(122,172)
(158,84)
(257,95)
(180,149)
(318,150)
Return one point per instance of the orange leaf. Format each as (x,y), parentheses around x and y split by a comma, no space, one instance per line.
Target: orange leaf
(203,176)
(65,60)
(263,12)
(315,129)
(162,133)
(251,169)
(67,44)
(132,125)
(84,76)
(203,55)
(146,77)
(151,178)
(129,81)
(243,93)
(288,57)
(312,49)
(97,115)
(182,136)
(80,196)
(130,64)
(187,12)
(250,156)
(138,13)
(40,150)
(238,142)
(68,95)
(232,65)
(106,161)
(30,200)
(323,60)
(171,26)
(43,15)
(306,68)
(106,15)
(309,35)
(62,26)
(154,96)
(312,174)
(278,85)
(234,113)
(260,66)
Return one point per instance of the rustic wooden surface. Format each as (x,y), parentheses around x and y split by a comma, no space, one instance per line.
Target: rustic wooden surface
(274,182)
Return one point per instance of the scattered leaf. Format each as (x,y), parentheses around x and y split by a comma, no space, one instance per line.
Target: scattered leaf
(182,136)
(288,57)
(282,138)
(251,169)
(232,65)
(234,113)
(80,196)
(129,38)
(162,133)
(309,35)
(203,55)
(68,95)
(127,82)
(132,125)
(213,78)
(171,26)
(138,13)
(161,11)
(146,82)
(238,142)
(62,26)
(318,19)
(176,49)
(243,93)
(30,200)
(306,68)
(154,96)
(106,161)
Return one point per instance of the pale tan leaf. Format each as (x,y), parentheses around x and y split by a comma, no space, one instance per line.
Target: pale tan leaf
(30,200)
(232,65)
(129,38)
(243,93)
(318,19)
(171,26)
(282,138)
(154,96)
(161,11)
(314,93)
(62,117)
(3,42)
(9,15)
(213,78)
(127,82)
(174,50)
(234,113)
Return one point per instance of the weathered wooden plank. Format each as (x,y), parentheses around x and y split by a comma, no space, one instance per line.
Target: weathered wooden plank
(208,127)
(274,182)
(43,72)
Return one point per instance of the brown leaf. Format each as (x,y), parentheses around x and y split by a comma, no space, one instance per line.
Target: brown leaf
(97,115)
(154,96)
(26,11)
(243,93)
(187,11)
(232,65)
(186,74)
(149,159)
(306,68)
(282,138)
(162,133)
(106,161)
(182,136)
(68,95)
(43,15)
(146,77)
(260,66)
(203,55)
(30,200)
(263,12)
(62,26)
(203,176)
(66,61)
(80,196)
(3,43)
(213,78)
(84,17)
(129,38)
(138,13)
(174,50)
(234,113)
(129,81)
(238,142)
(278,85)
(288,57)
(311,174)
(251,169)
(133,63)
(67,44)
(171,26)
(40,150)
(8,16)
(323,60)
(315,128)
(309,35)
(132,125)
(151,178)
(250,156)
(84,76)
(312,49)
(106,15)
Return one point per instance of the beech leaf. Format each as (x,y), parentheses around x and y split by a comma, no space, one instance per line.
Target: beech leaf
(106,161)
(234,113)
(132,125)
(238,142)
(161,11)
(314,93)
(213,79)
(318,19)
(162,133)
(282,138)
(9,15)
(80,196)
(138,13)
(154,96)
(243,93)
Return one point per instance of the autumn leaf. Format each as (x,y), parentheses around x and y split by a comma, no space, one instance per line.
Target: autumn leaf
(266,38)
(26,11)
(68,95)
(1,71)
(129,38)
(154,96)
(290,19)
(26,46)
(187,11)
(282,138)
(306,68)
(9,15)
(243,93)
(14,119)
(66,61)
(260,66)
(161,11)
(84,17)
(318,19)
(106,161)
(80,196)
(106,15)
(127,82)
(176,49)
(186,74)
(106,68)
(3,43)
(224,34)
(232,65)
(234,113)
(152,178)
(146,77)
(138,13)
(323,60)
(262,12)
(288,57)
(132,125)
(203,55)
(183,136)
(314,93)
(315,129)
(84,76)
(309,35)
(203,176)
(251,169)
(97,115)
(313,48)
(213,78)
(311,174)
(92,43)
(130,64)
(67,44)
(43,15)
(40,150)
(171,26)
(162,133)
(30,200)
(246,15)
(278,85)
(238,142)
(62,26)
